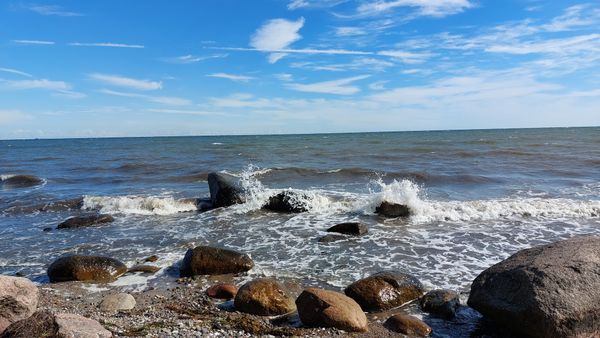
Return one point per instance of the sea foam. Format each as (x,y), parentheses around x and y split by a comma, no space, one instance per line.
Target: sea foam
(138,205)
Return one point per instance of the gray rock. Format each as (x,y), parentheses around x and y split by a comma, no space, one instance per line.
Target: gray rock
(225,190)
(117,302)
(441,303)
(206,260)
(61,325)
(287,201)
(349,228)
(84,221)
(385,290)
(392,210)
(332,238)
(20,181)
(18,299)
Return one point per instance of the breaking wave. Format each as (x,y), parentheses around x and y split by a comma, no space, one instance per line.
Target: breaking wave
(138,205)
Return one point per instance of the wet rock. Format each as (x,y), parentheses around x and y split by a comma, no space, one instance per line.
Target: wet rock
(441,303)
(385,290)
(349,228)
(546,291)
(222,291)
(408,325)
(144,268)
(225,190)
(47,229)
(61,325)
(18,299)
(117,302)
(204,204)
(332,238)
(263,297)
(206,260)
(86,269)
(71,204)
(287,201)
(20,181)
(152,258)
(84,221)
(324,308)
(392,210)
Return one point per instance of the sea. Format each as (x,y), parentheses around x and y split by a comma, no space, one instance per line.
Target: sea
(476,197)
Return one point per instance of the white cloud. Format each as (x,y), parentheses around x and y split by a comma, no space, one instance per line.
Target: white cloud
(69,94)
(284,77)
(297,4)
(34,84)
(406,57)
(575,44)
(105,44)
(14,71)
(350,31)
(187,59)
(166,100)
(121,81)
(330,87)
(52,10)
(33,42)
(359,63)
(436,8)
(232,77)
(275,35)
(378,85)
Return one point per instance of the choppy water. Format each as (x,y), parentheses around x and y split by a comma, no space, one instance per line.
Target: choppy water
(478,196)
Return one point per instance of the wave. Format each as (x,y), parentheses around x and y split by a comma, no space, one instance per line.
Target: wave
(138,205)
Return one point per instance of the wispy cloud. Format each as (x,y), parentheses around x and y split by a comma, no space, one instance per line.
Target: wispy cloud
(104,44)
(33,42)
(232,77)
(51,10)
(276,34)
(436,8)
(359,63)
(166,100)
(406,57)
(297,4)
(121,81)
(14,71)
(187,59)
(590,42)
(69,94)
(339,87)
(34,84)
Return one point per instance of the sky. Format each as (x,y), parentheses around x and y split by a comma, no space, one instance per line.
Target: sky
(215,67)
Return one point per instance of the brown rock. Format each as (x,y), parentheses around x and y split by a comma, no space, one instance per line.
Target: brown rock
(264,297)
(18,299)
(117,302)
(392,210)
(408,325)
(150,269)
(206,260)
(85,269)
(349,228)
(324,308)
(84,221)
(385,290)
(62,325)
(152,258)
(222,291)
(440,303)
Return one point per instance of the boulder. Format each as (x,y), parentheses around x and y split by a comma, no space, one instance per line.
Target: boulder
(392,210)
(547,291)
(20,181)
(85,269)
(324,308)
(75,203)
(349,228)
(408,325)
(117,302)
(225,190)
(144,268)
(385,290)
(152,258)
(263,297)
(287,201)
(61,325)
(84,221)
(222,291)
(18,299)
(206,260)
(440,303)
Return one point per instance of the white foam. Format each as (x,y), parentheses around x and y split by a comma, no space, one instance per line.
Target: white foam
(138,205)
(5,177)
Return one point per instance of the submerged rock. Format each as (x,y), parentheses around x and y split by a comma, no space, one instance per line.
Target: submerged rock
(85,269)
(440,303)
(61,325)
(20,181)
(546,291)
(408,325)
(332,238)
(117,302)
(144,268)
(349,228)
(385,290)
(324,308)
(287,201)
(72,204)
(84,221)
(222,291)
(264,297)
(392,210)
(225,190)
(206,260)
(152,258)
(18,299)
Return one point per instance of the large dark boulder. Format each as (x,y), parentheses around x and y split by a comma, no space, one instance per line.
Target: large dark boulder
(84,221)
(392,210)
(86,269)
(324,308)
(440,303)
(61,325)
(287,201)
(385,290)
(20,181)
(546,291)
(206,260)
(264,297)
(349,228)
(225,190)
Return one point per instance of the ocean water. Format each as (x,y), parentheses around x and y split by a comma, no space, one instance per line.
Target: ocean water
(476,196)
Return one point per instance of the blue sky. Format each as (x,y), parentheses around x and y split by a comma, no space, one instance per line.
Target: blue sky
(123,68)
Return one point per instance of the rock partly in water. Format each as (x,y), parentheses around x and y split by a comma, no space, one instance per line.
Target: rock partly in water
(264,297)
(385,290)
(84,221)
(61,325)
(85,269)
(117,302)
(349,228)
(546,291)
(18,299)
(441,303)
(392,210)
(222,291)
(332,238)
(324,308)
(152,258)
(408,325)
(206,260)
(225,190)
(144,268)
(72,204)
(287,201)
(20,181)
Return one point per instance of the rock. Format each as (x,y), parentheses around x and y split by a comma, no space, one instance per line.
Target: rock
(206,260)
(349,228)
(392,210)
(61,325)
(117,302)
(20,181)
(441,303)
(385,290)
(152,258)
(222,291)
(85,269)
(225,190)
(84,221)
(151,269)
(324,308)
(47,229)
(408,325)
(75,203)
(287,201)
(331,238)
(546,291)
(18,299)
(264,297)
